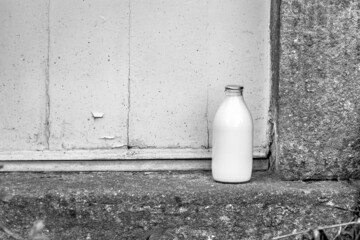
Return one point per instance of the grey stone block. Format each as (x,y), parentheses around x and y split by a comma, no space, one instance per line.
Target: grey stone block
(319,90)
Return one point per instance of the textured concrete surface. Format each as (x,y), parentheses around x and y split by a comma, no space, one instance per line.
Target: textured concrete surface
(319,135)
(180,205)
(23,74)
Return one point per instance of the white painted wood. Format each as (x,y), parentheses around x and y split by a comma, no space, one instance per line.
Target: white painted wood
(239,53)
(89,55)
(182,56)
(139,165)
(168,90)
(115,154)
(23,74)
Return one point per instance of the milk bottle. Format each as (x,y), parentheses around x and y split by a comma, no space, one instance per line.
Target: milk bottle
(232,139)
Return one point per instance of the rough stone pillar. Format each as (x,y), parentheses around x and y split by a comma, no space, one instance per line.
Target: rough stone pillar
(319,90)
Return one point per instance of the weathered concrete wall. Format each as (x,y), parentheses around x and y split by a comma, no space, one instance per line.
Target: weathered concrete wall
(157,71)
(319,93)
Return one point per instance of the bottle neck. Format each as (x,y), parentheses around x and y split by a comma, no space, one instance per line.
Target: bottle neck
(233,93)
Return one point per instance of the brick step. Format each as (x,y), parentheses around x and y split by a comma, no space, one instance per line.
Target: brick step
(176,205)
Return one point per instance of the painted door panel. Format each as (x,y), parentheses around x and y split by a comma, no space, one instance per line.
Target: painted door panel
(88,73)
(23,74)
(110,74)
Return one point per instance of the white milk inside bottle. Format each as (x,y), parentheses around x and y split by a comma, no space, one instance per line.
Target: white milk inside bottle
(232,139)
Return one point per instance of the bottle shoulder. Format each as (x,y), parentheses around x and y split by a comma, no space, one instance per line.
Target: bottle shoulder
(233,111)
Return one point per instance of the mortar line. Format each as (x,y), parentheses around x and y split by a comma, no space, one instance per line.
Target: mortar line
(47,82)
(129,86)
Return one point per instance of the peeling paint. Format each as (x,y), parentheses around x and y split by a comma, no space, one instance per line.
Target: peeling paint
(89,83)
(97,114)
(108,137)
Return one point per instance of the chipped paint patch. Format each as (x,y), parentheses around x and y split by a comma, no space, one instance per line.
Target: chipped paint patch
(97,115)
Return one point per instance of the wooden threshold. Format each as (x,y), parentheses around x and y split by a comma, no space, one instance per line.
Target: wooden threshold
(117,160)
(122,165)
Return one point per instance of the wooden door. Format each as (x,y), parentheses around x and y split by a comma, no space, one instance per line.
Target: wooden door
(127,80)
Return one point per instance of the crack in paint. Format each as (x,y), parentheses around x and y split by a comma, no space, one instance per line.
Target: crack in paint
(129,87)
(47,82)
(207,117)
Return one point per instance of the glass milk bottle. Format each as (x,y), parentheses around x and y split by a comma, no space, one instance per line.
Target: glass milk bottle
(232,139)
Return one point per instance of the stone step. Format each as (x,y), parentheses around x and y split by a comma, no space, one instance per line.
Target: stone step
(174,205)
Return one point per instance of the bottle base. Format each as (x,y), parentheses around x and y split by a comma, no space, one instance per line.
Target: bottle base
(232,182)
